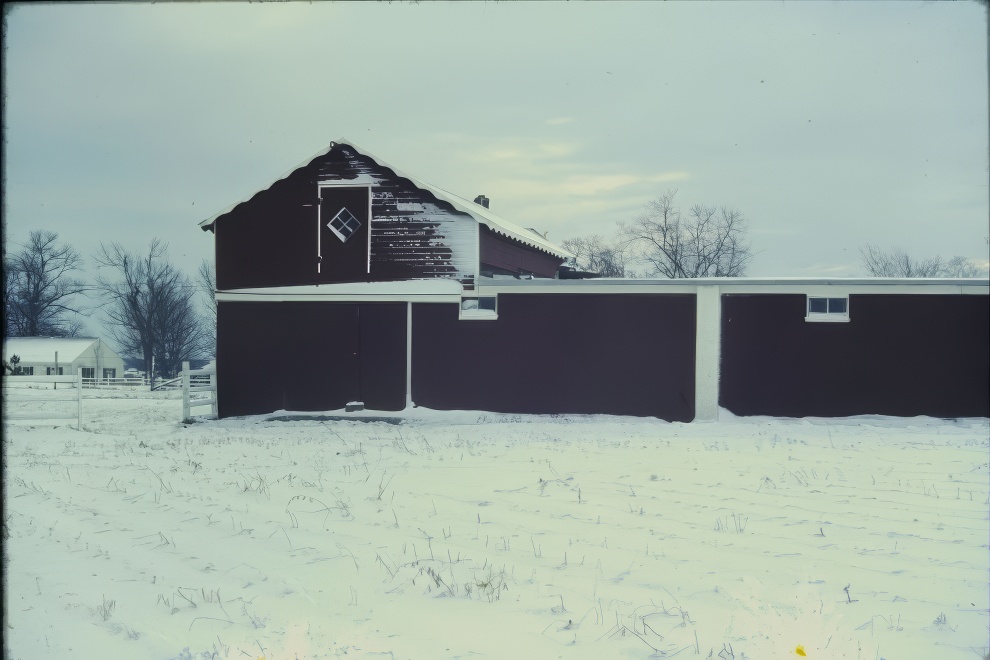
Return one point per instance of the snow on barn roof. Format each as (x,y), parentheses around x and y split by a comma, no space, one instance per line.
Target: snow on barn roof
(42,349)
(492,221)
(481,214)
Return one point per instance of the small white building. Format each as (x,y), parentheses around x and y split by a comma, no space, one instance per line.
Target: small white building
(88,356)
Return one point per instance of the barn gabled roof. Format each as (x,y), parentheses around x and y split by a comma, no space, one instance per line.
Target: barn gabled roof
(42,349)
(481,214)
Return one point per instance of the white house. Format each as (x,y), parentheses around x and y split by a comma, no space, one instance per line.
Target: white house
(87,356)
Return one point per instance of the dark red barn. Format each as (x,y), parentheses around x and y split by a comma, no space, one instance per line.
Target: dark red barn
(348,281)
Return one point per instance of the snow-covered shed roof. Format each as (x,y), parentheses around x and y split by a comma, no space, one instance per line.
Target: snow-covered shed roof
(492,221)
(478,212)
(42,349)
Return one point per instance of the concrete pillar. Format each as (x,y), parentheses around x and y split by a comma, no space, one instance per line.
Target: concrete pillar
(708,338)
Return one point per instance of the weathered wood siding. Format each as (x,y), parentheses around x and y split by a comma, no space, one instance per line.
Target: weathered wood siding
(501,255)
(901,355)
(271,239)
(560,353)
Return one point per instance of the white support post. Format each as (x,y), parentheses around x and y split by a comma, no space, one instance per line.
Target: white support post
(79,401)
(185,390)
(707,352)
(213,384)
(409,329)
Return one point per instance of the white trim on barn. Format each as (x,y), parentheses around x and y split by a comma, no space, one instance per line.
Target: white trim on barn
(409,350)
(407,290)
(741,285)
(708,344)
(448,290)
(366,182)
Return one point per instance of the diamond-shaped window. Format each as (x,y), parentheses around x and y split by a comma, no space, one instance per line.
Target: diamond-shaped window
(344,224)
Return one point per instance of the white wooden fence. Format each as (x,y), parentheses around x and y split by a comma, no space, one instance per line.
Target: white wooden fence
(198,381)
(134,383)
(14,400)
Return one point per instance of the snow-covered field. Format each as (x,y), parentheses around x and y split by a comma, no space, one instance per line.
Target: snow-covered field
(463,535)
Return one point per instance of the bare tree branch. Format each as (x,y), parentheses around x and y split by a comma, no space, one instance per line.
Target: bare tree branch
(40,288)
(710,242)
(206,282)
(597,255)
(149,307)
(897,263)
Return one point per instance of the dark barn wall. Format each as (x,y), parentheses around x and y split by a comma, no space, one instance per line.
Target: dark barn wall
(621,355)
(310,356)
(249,363)
(383,355)
(900,355)
(413,234)
(271,239)
(502,255)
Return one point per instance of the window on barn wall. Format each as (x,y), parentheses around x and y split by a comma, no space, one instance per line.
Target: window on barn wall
(51,371)
(482,308)
(828,309)
(89,372)
(344,224)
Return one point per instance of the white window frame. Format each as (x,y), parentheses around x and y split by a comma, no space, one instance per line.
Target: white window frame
(477,314)
(828,316)
(346,223)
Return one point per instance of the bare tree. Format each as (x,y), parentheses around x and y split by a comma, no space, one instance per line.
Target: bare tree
(40,288)
(206,282)
(595,254)
(149,307)
(897,263)
(710,242)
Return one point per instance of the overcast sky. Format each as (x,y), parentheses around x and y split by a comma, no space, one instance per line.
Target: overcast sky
(829,125)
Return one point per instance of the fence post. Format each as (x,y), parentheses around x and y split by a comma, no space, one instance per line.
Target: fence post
(185,391)
(79,401)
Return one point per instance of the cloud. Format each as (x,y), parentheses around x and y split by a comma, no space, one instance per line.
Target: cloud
(558,121)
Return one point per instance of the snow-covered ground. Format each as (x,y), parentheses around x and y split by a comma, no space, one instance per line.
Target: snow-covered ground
(463,535)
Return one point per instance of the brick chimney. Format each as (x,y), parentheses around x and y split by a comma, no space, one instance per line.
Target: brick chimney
(481,200)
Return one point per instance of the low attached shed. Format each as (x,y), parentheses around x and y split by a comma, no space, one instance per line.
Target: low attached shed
(674,349)
(44,356)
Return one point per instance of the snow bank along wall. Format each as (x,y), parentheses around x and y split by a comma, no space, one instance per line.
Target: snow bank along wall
(347,280)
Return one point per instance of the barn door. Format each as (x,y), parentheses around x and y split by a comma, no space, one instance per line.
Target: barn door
(342,239)
(321,370)
(336,353)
